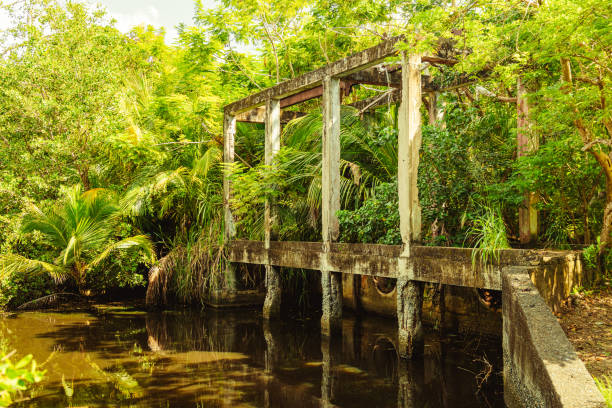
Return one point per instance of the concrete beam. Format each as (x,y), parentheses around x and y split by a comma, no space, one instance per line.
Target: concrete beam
(446,265)
(389,76)
(271,308)
(395,95)
(346,66)
(258,115)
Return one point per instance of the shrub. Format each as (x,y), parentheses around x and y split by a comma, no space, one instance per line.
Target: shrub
(376,221)
(17,288)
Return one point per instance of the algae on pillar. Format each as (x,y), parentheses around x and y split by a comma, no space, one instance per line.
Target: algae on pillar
(331,282)
(409,292)
(272,302)
(409,310)
(331,319)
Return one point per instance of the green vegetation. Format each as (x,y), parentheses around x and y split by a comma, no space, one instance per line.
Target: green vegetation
(605,387)
(113,141)
(16,378)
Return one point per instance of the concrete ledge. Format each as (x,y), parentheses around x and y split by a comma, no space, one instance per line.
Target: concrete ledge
(541,368)
(450,266)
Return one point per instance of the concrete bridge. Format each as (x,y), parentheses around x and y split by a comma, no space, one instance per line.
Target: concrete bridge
(540,365)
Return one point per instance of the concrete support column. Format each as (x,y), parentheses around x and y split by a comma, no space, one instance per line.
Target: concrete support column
(409,312)
(331,319)
(409,292)
(409,145)
(526,142)
(331,282)
(229,134)
(272,302)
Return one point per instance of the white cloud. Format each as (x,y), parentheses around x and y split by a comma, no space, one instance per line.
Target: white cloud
(125,21)
(5,20)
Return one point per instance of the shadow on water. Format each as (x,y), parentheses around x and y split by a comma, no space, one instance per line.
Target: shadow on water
(234,359)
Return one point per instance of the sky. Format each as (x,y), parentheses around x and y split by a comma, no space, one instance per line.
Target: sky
(159,13)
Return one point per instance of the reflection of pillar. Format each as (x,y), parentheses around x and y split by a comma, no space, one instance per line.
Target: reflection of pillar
(330,350)
(351,339)
(271,354)
(270,359)
(441,292)
(331,282)
(272,303)
(410,384)
(526,142)
(409,292)
(229,133)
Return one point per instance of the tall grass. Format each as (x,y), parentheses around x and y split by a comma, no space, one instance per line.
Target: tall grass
(489,232)
(604,383)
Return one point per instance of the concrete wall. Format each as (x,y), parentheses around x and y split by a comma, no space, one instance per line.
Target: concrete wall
(541,368)
(554,273)
(464,312)
(557,274)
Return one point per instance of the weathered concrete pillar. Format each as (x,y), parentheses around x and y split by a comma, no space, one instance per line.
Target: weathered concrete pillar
(409,145)
(409,292)
(229,134)
(331,319)
(409,312)
(272,302)
(527,142)
(331,282)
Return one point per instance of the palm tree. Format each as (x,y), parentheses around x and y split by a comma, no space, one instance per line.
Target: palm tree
(81,231)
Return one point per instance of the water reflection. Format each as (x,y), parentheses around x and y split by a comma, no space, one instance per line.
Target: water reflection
(185,359)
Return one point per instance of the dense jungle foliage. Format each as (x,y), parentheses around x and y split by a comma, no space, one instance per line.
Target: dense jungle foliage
(111,158)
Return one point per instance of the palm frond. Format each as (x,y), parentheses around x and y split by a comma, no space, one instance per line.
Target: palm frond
(12,263)
(138,241)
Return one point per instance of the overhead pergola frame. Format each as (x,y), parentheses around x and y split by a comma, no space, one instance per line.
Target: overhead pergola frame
(366,67)
(406,86)
(331,83)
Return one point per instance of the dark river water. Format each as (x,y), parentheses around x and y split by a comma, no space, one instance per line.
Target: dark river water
(129,358)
